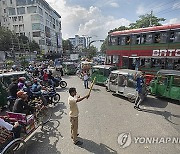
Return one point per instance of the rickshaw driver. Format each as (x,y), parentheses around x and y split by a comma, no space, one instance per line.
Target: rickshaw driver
(139,84)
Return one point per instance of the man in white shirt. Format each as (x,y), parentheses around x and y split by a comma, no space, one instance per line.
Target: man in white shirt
(16,129)
(74,112)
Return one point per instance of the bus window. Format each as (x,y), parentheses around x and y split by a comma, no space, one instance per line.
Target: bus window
(149,38)
(171,37)
(136,39)
(157,38)
(119,40)
(109,40)
(115,59)
(143,39)
(108,60)
(177,36)
(163,37)
(114,40)
(128,40)
(123,40)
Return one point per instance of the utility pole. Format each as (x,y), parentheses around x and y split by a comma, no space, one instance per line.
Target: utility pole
(151,18)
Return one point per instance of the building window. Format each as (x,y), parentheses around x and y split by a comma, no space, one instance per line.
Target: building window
(3,2)
(20,18)
(20,2)
(12,11)
(14,19)
(36,17)
(10,1)
(32,9)
(29,2)
(37,26)
(37,34)
(21,28)
(4,10)
(40,11)
(21,10)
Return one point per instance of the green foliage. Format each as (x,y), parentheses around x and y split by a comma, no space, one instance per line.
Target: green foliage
(67,45)
(144,21)
(9,62)
(91,52)
(119,29)
(34,46)
(5,39)
(104,45)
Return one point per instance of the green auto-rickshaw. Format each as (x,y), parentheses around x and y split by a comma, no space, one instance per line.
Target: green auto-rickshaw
(101,72)
(166,84)
(69,68)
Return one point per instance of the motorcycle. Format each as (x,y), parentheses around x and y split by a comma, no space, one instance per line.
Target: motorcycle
(59,82)
(51,95)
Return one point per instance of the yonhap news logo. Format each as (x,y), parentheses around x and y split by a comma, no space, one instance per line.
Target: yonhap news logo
(125,140)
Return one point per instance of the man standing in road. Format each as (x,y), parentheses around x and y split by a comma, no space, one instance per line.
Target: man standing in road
(140,96)
(72,101)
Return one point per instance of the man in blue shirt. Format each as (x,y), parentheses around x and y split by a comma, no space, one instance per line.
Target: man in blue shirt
(139,85)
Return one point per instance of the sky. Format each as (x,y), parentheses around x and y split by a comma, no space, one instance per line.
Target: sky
(95,18)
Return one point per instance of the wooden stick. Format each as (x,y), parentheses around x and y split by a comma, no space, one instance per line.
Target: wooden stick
(92,84)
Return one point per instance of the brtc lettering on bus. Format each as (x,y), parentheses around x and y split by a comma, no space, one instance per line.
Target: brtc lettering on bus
(166,52)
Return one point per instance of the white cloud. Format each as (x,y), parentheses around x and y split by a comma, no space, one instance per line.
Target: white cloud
(113,4)
(176,5)
(82,21)
(141,10)
(173,21)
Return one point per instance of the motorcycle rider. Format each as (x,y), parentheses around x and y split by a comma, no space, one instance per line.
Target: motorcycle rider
(13,88)
(36,90)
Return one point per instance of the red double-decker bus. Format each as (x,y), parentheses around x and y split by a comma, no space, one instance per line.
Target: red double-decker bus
(146,49)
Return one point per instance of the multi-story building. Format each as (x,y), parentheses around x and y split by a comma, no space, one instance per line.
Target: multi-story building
(78,42)
(35,19)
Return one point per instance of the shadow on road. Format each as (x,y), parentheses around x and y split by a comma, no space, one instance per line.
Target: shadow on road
(96,90)
(39,139)
(95,148)
(58,110)
(154,102)
(167,115)
(59,89)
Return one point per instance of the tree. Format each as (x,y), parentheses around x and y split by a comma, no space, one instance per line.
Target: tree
(104,45)
(91,51)
(147,20)
(34,46)
(67,45)
(5,39)
(119,29)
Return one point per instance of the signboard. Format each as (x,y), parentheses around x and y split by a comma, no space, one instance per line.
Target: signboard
(166,53)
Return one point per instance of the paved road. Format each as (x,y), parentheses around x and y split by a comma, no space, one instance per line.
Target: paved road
(103,117)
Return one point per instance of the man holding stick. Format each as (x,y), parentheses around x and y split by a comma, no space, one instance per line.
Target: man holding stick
(73,100)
